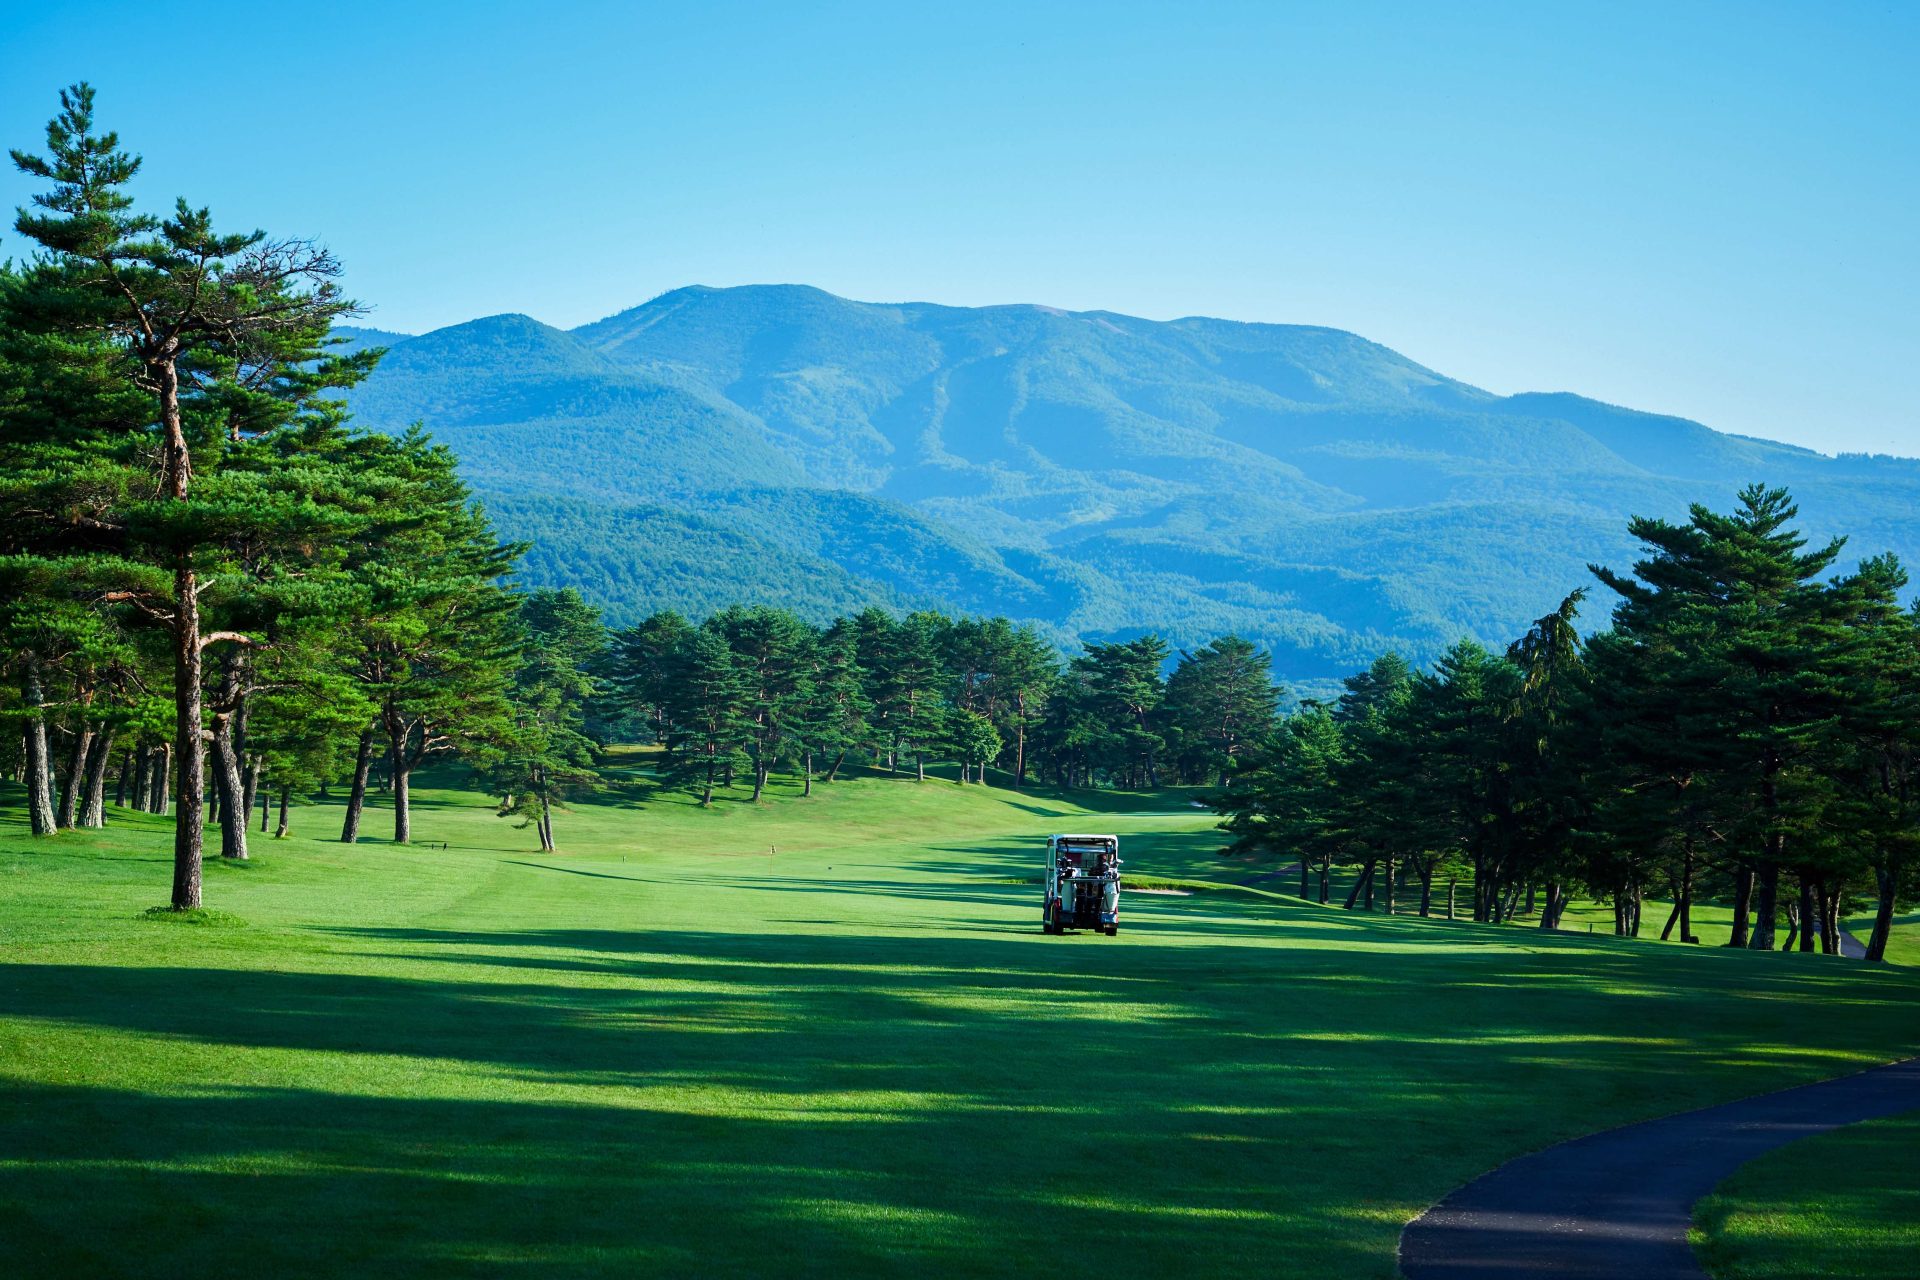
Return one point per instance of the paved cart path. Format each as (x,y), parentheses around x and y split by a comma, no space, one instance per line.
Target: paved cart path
(1618,1203)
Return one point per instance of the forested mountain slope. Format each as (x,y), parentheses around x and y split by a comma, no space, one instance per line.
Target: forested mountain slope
(1095,473)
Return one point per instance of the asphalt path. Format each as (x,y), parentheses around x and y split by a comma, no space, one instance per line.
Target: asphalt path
(1617,1204)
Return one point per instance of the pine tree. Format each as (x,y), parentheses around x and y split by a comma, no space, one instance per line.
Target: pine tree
(838,716)
(216,326)
(434,636)
(1023,674)
(918,712)
(772,652)
(546,752)
(1551,720)
(1125,686)
(1283,797)
(1220,698)
(709,720)
(1878,763)
(976,743)
(1741,636)
(640,668)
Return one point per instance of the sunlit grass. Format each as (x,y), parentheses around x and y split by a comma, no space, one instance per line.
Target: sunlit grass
(1843,1204)
(820,1036)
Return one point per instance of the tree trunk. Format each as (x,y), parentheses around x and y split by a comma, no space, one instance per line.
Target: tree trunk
(759,779)
(1685,902)
(1886,881)
(120,784)
(546,814)
(39,767)
(75,782)
(1742,898)
(1793,925)
(1766,907)
(234,812)
(920,766)
(402,770)
(1306,889)
(189,749)
(93,802)
(1364,882)
(1809,914)
(249,763)
(1547,914)
(1392,865)
(1020,751)
(357,795)
(806,772)
(158,799)
(833,770)
(254,774)
(142,776)
(1326,871)
(1426,887)
(1452,884)
(280,832)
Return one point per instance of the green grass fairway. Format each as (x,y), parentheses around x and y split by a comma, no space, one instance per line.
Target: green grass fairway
(821,1037)
(1844,1204)
(1903,942)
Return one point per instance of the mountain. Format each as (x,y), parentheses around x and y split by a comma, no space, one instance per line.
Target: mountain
(1094,473)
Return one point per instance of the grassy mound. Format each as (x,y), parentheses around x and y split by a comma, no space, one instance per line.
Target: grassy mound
(820,1036)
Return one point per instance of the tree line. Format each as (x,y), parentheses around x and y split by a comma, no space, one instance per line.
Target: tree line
(1746,730)
(752,690)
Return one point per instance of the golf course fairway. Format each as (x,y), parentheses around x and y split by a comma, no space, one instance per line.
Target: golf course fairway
(818,1036)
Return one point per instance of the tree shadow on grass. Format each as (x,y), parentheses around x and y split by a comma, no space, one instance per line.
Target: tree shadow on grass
(676,1101)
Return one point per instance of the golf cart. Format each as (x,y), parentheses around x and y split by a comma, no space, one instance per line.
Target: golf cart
(1083,884)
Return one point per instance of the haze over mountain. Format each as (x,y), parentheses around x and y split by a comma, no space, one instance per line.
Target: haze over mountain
(1096,473)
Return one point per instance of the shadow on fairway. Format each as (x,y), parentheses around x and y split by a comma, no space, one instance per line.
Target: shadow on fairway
(669,1101)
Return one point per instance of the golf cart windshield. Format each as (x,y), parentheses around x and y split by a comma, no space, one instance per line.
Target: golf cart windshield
(1083,852)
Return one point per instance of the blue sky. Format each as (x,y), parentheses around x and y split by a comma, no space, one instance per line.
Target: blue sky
(1694,208)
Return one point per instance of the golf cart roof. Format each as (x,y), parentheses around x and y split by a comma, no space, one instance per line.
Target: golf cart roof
(1114,838)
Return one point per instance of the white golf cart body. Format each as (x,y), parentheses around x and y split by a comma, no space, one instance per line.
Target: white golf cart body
(1083,884)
